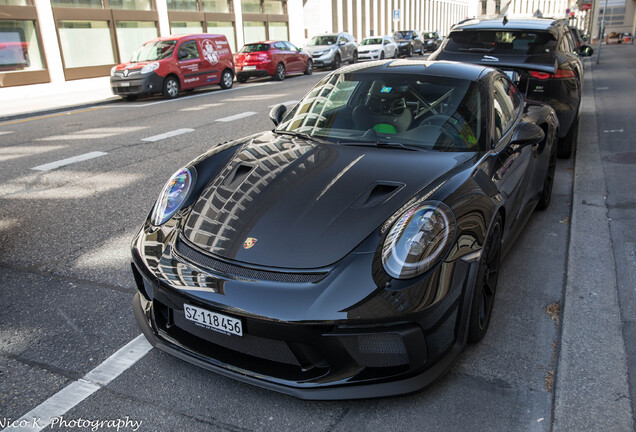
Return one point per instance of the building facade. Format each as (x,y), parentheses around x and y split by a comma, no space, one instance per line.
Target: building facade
(53,41)
(365,18)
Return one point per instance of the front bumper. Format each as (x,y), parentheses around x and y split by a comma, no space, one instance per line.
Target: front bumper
(369,55)
(404,49)
(136,84)
(319,357)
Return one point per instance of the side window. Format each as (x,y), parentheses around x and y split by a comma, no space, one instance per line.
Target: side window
(506,103)
(188,51)
(290,46)
(280,46)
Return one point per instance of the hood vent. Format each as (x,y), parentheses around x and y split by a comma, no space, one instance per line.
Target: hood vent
(377,194)
(238,176)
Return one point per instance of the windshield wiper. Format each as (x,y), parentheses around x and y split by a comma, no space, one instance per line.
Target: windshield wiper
(377,143)
(478,50)
(299,135)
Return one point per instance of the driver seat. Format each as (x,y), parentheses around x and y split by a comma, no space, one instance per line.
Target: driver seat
(384,111)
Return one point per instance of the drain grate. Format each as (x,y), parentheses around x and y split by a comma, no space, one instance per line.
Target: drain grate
(628,158)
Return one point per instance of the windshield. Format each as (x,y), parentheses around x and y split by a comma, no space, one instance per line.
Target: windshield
(254,48)
(429,35)
(323,40)
(403,35)
(374,41)
(429,112)
(520,42)
(151,51)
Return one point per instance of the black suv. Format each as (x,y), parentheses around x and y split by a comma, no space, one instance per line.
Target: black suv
(409,42)
(540,55)
(431,41)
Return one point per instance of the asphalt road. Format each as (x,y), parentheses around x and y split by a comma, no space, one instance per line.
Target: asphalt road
(66,285)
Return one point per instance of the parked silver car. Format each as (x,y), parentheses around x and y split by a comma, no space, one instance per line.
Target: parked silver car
(331,49)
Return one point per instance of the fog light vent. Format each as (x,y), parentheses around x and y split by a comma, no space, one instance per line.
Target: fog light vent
(376,350)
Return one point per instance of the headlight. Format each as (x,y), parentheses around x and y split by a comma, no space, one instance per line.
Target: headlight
(150,67)
(418,240)
(112,70)
(172,196)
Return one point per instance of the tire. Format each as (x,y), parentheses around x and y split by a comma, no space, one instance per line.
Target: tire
(567,145)
(548,183)
(171,87)
(130,98)
(395,53)
(410,53)
(382,55)
(241,78)
(227,79)
(336,62)
(279,75)
(309,67)
(354,58)
(486,283)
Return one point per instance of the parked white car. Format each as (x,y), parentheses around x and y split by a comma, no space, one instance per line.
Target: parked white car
(378,47)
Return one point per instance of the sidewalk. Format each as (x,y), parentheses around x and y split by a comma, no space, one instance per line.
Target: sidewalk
(39,99)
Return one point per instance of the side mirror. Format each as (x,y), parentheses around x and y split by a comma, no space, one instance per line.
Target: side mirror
(527,134)
(586,51)
(277,113)
(299,49)
(341,43)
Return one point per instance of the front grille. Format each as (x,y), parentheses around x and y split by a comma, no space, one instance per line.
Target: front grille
(269,349)
(223,267)
(376,350)
(125,90)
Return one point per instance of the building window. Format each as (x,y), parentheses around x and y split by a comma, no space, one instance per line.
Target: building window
(254,31)
(497,7)
(132,34)
(130,4)
(273,7)
(278,31)
(95,4)
(183,5)
(86,43)
(185,27)
(218,6)
(251,6)
(19,46)
(484,7)
(14,3)
(225,28)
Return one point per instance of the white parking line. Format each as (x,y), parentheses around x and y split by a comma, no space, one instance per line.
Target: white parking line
(67,398)
(202,107)
(237,116)
(68,161)
(168,135)
(6,132)
(289,102)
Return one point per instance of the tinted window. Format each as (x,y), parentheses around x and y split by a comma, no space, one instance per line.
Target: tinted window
(250,48)
(190,50)
(280,46)
(502,42)
(290,46)
(323,40)
(506,103)
(403,35)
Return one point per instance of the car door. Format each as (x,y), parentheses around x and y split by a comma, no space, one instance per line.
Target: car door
(192,67)
(516,160)
(296,61)
(280,54)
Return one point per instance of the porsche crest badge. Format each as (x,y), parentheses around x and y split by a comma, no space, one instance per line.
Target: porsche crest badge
(249,242)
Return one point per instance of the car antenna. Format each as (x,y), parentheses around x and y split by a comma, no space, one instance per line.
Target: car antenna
(505,20)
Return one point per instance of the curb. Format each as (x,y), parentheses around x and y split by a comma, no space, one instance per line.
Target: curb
(592,391)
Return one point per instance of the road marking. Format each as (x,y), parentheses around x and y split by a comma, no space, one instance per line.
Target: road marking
(13,152)
(168,135)
(212,93)
(289,102)
(53,115)
(67,398)
(95,133)
(251,98)
(237,116)
(6,132)
(68,161)
(613,130)
(602,88)
(202,107)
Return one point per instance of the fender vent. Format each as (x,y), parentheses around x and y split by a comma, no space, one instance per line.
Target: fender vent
(237,176)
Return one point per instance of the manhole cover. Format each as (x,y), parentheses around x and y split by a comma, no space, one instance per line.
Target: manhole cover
(623,158)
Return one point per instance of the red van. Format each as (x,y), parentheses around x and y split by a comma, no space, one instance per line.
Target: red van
(169,64)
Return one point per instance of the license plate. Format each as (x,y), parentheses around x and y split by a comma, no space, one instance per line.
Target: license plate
(124,84)
(249,67)
(212,320)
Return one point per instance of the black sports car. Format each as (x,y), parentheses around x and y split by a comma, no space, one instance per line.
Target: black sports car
(354,250)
